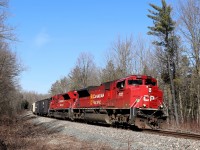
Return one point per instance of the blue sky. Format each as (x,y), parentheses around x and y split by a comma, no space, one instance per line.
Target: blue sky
(52,33)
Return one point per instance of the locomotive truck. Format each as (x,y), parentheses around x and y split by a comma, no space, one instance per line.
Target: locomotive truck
(135,100)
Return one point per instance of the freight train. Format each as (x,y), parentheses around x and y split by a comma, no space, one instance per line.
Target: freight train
(135,100)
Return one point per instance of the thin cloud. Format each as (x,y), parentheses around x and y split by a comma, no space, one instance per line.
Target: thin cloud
(42,38)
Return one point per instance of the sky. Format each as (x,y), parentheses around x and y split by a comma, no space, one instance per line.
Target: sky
(52,34)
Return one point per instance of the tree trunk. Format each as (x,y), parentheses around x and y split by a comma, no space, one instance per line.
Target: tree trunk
(181,107)
(198,100)
(173,92)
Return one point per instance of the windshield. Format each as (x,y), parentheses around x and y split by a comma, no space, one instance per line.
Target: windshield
(135,82)
(150,82)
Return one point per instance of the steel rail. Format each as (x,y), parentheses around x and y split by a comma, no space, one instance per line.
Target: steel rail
(178,134)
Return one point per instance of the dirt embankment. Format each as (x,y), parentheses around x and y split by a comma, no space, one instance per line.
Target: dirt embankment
(22,134)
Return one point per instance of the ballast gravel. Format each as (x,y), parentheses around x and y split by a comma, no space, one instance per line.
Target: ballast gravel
(113,137)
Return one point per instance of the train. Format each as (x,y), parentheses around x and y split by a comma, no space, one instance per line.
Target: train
(135,101)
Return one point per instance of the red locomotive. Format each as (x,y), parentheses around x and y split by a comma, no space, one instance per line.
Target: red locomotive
(135,100)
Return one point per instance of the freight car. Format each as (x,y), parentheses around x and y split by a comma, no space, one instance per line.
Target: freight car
(41,107)
(135,100)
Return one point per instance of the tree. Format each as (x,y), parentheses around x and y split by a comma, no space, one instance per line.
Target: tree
(109,72)
(60,86)
(124,54)
(25,104)
(190,28)
(31,97)
(85,73)
(9,71)
(128,57)
(6,31)
(144,58)
(10,68)
(163,29)
(189,13)
(119,60)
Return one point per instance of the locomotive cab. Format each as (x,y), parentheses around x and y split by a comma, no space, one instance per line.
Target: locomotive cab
(144,92)
(146,102)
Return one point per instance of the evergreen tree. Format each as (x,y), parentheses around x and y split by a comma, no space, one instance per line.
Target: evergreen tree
(109,72)
(164,29)
(163,24)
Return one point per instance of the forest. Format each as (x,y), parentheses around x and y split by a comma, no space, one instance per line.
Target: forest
(171,54)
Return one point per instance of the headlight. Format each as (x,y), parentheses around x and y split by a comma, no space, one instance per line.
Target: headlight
(161,106)
(144,105)
(150,90)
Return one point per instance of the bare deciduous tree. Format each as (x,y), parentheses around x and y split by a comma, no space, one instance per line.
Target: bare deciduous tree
(85,73)
(6,31)
(9,71)
(144,57)
(189,12)
(10,68)
(123,54)
(118,60)
(190,28)
(31,96)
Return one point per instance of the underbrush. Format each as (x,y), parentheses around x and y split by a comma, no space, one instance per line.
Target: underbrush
(20,134)
(192,127)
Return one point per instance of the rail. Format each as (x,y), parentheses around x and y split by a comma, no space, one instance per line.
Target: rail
(178,134)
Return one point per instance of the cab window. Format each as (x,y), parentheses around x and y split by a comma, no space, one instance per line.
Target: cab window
(121,84)
(135,82)
(150,82)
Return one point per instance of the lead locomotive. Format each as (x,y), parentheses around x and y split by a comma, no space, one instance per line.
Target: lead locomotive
(135,100)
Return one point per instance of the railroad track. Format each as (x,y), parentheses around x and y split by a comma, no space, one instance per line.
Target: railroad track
(177,134)
(171,133)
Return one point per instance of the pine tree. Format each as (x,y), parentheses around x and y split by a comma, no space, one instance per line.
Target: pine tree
(163,24)
(164,29)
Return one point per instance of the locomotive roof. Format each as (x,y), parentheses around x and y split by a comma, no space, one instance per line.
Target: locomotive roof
(137,76)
